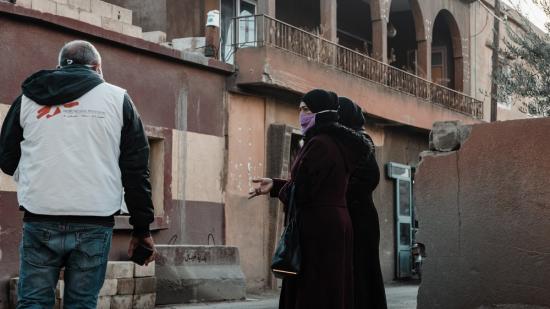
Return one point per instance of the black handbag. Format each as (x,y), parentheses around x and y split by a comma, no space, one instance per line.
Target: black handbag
(287,258)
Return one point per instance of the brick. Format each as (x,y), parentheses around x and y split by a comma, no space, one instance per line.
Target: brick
(121,14)
(24,3)
(130,30)
(102,8)
(125,286)
(45,6)
(154,36)
(122,301)
(119,269)
(145,285)
(90,18)
(144,271)
(81,5)
(104,302)
(109,287)
(67,11)
(111,24)
(144,301)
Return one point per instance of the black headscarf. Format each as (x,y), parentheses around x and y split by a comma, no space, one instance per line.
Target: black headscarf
(319,100)
(351,114)
(323,102)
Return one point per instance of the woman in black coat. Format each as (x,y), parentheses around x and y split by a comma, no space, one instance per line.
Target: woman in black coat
(369,290)
(320,176)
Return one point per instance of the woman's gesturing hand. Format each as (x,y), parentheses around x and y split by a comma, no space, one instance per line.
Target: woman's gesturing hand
(264,187)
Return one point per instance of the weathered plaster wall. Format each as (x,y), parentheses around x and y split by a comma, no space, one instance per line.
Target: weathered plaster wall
(182,104)
(249,223)
(485,220)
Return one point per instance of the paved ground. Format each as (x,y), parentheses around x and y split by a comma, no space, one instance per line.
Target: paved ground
(399,295)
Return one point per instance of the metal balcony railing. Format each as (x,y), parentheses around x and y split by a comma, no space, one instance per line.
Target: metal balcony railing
(262,30)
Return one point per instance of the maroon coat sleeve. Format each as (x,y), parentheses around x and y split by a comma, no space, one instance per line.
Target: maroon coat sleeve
(278,184)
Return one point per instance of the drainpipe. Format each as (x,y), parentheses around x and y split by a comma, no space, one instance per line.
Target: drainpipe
(495,61)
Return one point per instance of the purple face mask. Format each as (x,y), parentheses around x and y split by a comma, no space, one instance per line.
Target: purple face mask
(306,121)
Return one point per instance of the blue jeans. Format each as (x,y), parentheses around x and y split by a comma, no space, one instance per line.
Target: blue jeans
(83,250)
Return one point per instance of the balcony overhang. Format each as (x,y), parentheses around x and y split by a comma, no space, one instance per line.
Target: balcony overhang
(270,69)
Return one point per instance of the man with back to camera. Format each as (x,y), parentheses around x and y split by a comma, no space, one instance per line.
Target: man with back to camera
(72,143)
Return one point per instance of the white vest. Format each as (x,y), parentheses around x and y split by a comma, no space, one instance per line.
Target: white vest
(69,155)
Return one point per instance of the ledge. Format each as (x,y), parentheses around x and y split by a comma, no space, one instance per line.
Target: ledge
(74,25)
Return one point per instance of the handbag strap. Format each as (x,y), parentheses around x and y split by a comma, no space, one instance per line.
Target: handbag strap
(291,205)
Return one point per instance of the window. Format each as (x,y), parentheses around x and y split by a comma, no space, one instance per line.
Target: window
(439,66)
(247,25)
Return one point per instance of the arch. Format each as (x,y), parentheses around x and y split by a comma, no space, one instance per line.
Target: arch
(446,29)
(409,48)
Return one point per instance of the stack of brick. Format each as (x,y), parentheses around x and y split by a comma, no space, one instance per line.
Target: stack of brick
(96,12)
(126,286)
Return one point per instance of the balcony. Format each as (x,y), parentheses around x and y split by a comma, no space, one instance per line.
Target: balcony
(263,49)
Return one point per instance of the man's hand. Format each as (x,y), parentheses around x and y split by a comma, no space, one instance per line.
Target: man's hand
(148,242)
(266,184)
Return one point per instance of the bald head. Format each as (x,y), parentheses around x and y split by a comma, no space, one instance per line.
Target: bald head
(79,52)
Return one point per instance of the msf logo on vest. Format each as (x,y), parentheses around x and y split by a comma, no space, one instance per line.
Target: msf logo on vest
(47,110)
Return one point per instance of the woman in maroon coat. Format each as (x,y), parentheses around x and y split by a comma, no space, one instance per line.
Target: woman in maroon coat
(320,176)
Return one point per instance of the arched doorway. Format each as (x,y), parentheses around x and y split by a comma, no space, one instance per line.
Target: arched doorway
(447,61)
(407,45)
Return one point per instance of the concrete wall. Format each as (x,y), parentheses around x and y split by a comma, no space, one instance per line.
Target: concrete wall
(485,220)
(181,103)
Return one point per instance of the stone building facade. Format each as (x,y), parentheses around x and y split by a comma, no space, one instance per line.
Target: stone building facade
(214,123)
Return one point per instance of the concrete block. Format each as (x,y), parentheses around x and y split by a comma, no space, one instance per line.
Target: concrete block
(122,302)
(24,3)
(109,287)
(111,24)
(45,6)
(144,271)
(144,301)
(448,135)
(157,37)
(194,44)
(121,14)
(12,300)
(81,5)
(145,285)
(65,2)
(119,269)
(102,8)
(198,274)
(90,18)
(104,302)
(67,11)
(125,286)
(130,30)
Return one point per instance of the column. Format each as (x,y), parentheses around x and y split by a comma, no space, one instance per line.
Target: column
(328,20)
